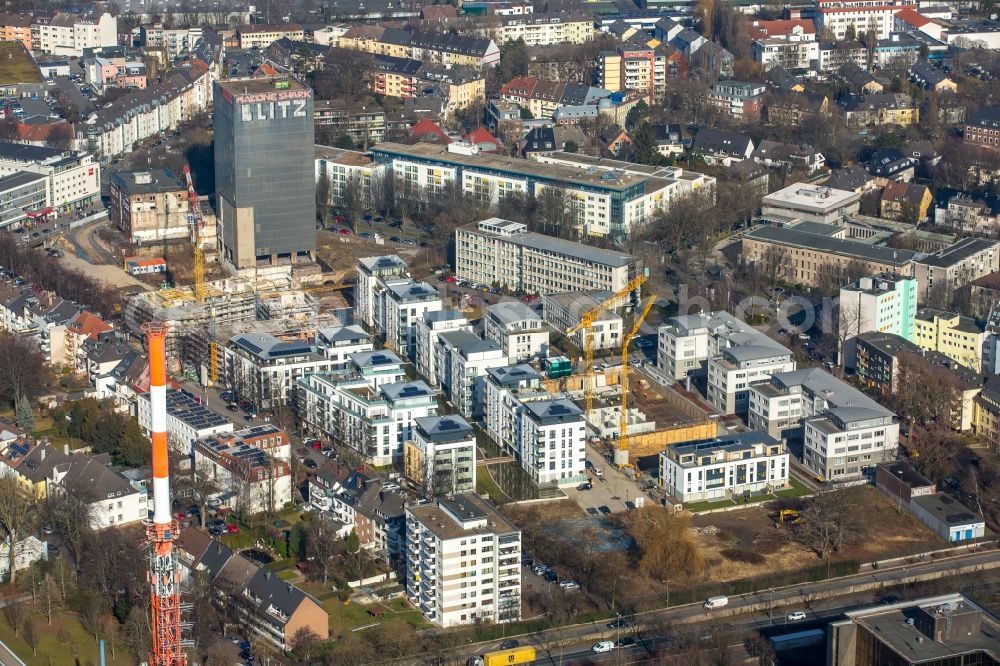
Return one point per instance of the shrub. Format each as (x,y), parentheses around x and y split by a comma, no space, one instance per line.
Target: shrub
(742,555)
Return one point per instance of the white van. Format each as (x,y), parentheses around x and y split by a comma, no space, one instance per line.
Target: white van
(716,602)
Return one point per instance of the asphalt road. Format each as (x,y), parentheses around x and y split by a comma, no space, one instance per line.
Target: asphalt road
(577,639)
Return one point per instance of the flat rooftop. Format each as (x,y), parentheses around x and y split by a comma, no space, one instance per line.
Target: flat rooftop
(597,179)
(257,86)
(16,65)
(343,156)
(947,509)
(841,246)
(441,522)
(556,246)
(813,198)
(959,252)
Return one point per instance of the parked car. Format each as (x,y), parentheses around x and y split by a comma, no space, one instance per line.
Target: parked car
(232,529)
(586,485)
(550,576)
(605,510)
(603,647)
(539,568)
(569,585)
(310,463)
(233,407)
(592,510)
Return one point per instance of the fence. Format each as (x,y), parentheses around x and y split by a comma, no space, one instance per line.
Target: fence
(381,578)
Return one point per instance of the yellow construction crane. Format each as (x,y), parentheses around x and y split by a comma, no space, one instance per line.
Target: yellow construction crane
(621,455)
(197,222)
(585,324)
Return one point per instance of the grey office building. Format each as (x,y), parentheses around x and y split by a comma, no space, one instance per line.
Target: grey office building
(264,171)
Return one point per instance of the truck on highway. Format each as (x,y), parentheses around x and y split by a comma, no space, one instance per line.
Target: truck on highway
(514,657)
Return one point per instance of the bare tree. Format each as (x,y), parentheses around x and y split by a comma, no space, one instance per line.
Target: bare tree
(14,613)
(17,514)
(304,642)
(773,265)
(321,545)
(849,321)
(31,635)
(48,598)
(826,524)
(202,486)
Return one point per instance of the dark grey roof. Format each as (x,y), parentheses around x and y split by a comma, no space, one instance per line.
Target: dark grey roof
(889,344)
(988,117)
(276,593)
(444,429)
(848,178)
(958,252)
(406,390)
(468,343)
(508,375)
(550,412)
(841,246)
(720,141)
(23,152)
(732,442)
(946,509)
(376,358)
(160,180)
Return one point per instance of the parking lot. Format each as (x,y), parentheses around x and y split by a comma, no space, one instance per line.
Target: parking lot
(612,489)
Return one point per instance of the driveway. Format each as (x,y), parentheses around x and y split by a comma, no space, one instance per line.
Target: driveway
(612,490)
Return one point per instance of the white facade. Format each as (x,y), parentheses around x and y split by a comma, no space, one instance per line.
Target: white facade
(115,500)
(187,420)
(883,303)
(73,179)
(441,457)
(375,422)
(462,359)
(551,441)
(253,468)
(507,388)
(724,468)
(518,329)
(840,444)
(794,51)
(399,305)
(563,311)
(863,15)
(731,373)
(69,34)
(432,324)
(372,272)
(542,30)
(464,539)
(28,550)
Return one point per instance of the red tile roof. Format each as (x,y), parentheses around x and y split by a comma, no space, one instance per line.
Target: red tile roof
(426,129)
(481,135)
(913,17)
(764,29)
(88,324)
(438,12)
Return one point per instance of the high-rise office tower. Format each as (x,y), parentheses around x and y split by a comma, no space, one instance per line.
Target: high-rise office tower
(264,171)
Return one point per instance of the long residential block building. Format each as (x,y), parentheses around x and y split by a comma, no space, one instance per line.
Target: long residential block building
(496,251)
(608,199)
(886,303)
(73,178)
(730,466)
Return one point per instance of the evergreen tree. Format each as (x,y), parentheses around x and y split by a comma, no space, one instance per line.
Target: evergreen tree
(23,416)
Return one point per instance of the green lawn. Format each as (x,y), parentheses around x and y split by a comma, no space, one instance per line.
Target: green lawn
(486,484)
(53,649)
(345,617)
(797,489)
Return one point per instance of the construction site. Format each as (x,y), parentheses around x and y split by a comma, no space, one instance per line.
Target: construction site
(198,318)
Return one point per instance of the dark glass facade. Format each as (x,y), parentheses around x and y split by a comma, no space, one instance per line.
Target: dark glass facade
(264,169)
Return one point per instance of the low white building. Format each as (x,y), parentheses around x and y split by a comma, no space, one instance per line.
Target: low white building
(462,538)
(811,203)
(462,359)
(563,311)
(251,465)
(949,518)
(839,444)
(187,420)
(374,420)
(724,468)
(551,441)
(518,329)
(440,458)
(432,324)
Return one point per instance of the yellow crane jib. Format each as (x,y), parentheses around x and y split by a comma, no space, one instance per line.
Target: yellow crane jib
(621,454)
(585,324)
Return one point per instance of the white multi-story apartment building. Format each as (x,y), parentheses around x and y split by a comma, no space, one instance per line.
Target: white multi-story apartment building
(955,266)
(440,458)
(726,467)
(375,421)
(518,329)
(463,562)
(542,29)
(399,306)
(497,251)
(507,388)
(69,34)
(861,15)
(563,311)
(461,359)
(841,443)
(187,420)
(602,198)
(251,467)
(73,179)
(739,365)
(372,273)
(551,441)
(262,368)
(790,44)
(885,303)
(432,324)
